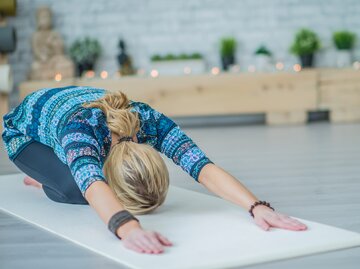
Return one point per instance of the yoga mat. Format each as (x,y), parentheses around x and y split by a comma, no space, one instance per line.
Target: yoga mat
(207,232)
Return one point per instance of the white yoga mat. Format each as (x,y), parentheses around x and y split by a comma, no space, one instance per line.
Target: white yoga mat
(207,232)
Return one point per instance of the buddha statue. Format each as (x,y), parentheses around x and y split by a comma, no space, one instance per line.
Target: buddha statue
(48,50)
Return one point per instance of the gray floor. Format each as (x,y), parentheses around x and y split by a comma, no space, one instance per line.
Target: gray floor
(311,172)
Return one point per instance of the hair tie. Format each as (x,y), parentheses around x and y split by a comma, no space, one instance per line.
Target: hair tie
(125,138)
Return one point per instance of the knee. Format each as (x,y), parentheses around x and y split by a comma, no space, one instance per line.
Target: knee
(74,196)
(66,196)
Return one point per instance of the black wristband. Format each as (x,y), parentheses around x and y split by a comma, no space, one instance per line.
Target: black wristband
(119,219)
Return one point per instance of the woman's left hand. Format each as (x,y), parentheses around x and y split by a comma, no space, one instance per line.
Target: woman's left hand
(265,218)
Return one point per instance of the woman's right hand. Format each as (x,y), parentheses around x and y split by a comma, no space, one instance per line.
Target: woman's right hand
(139,240)
(143,241)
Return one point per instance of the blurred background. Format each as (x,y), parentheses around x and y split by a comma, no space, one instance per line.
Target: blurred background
(49,42)
(288,63)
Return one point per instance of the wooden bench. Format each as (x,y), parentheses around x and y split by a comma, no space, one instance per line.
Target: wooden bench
(284,97)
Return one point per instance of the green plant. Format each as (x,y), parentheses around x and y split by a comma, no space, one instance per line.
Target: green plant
(85,50)
(173,57)
(262,50)
(344,40)
(196,56)
(306,42)
(169,57)
(183,56)
(228,46)
(156,57)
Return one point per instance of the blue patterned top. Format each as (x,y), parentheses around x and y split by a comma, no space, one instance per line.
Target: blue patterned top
(80,136)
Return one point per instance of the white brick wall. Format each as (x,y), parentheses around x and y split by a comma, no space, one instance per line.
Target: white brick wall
(175,26)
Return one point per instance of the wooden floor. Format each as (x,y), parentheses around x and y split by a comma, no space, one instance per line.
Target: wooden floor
(311,172)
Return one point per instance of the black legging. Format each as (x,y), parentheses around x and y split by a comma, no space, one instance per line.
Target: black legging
(41,163)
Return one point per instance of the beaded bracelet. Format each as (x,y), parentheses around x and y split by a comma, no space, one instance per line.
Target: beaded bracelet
(259,203)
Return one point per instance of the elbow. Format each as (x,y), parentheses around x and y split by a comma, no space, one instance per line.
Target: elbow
(205,173)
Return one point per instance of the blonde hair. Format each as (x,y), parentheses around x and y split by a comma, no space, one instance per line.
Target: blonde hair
(135,172)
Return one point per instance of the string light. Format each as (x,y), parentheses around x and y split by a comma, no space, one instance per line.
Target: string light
(235,68)
(279,66)
(297,67)
(154,73)
(58,77)
(104,74)
(141,72)
(90,74)
(252,68)
(215,70)
(187,70)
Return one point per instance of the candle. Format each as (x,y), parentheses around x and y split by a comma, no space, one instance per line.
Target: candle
(215,70)
(251,68)
(141,72)
(279,66)
(90,74)
(187,70)
(58,77)
(104,74)
(297,67)
(154,73)
(235,68)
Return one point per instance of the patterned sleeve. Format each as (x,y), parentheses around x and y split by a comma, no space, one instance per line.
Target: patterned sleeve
(176,145)
(82,150)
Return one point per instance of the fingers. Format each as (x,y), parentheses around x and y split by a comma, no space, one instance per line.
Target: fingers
(295,223)
(154,241)
(285,222)
(163,239)
(149,245)
(134,247)
(148,242)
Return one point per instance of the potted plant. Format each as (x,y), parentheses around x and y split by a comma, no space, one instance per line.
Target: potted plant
(263,58)
(178,64)
(344,42)
(85,52)
(306,43)
(227,52)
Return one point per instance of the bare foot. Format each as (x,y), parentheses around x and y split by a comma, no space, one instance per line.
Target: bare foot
(32,182)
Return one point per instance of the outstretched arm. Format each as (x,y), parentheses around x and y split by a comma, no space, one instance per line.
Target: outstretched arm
(178,146)
(220,182)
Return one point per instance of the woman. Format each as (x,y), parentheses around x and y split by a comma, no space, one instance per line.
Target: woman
(84,145)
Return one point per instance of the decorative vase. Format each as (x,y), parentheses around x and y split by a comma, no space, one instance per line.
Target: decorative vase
(343,58)
(263,62)
(124,60)
(307,60)
(8,39)
(226,61)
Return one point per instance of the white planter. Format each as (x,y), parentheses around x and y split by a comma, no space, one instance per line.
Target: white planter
(263,63)
(179,67)
(343,58)
(6,79)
